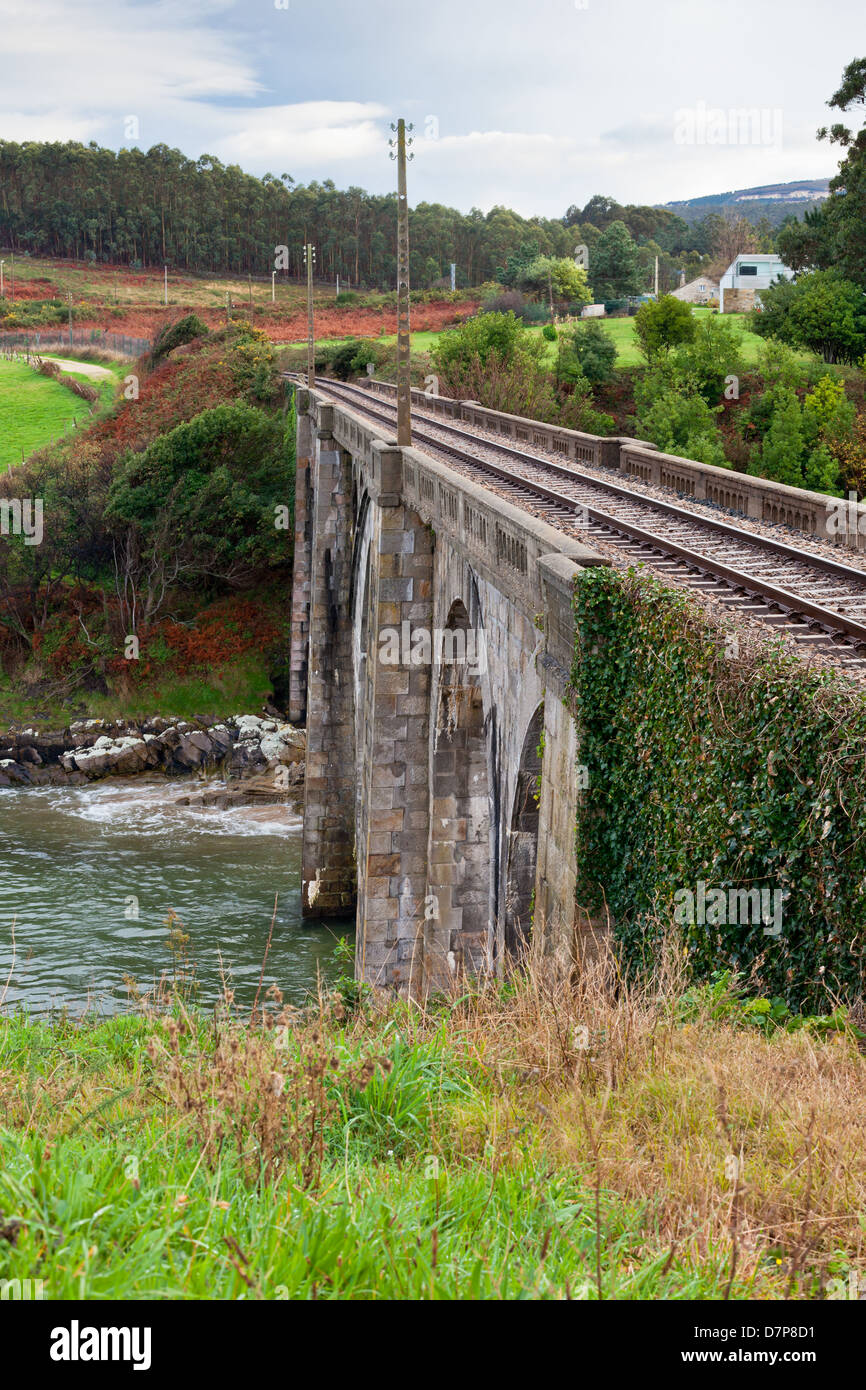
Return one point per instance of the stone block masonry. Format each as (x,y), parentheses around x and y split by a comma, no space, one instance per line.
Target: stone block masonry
(441,793)
(328,862)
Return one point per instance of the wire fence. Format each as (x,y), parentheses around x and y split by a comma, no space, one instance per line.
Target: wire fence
(119,343)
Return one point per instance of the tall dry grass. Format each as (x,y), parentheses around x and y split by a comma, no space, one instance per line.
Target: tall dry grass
(738,1140)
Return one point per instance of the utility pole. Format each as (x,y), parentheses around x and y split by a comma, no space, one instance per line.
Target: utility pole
(657,277)
(250,274)
(453,276)
(338,287)
(69,301)
(273,287)
(404,389)
(309,257)
(165,291)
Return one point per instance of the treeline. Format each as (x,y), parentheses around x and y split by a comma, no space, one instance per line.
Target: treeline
(144,209)
(138,208)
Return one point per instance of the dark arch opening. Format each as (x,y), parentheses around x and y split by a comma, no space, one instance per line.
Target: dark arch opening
(523,843)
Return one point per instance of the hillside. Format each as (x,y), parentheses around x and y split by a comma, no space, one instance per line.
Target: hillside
(776,201)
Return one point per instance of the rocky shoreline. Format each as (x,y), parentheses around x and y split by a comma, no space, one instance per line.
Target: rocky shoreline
(242,747)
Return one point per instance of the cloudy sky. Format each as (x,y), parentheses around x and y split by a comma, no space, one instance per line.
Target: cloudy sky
(532,103)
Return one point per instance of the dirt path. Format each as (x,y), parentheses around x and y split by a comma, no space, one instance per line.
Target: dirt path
(84,368)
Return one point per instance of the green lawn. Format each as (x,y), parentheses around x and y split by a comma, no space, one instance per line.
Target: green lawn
(629,353)
(33,411)
(621,330)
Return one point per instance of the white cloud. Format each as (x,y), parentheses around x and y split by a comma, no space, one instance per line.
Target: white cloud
(48,125)
(309,136)
(119,58)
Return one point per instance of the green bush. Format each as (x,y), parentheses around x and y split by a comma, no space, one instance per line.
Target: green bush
(201,499)
(343,360)
(661,324)
(673,416)
(820,311)
(587,350)
(549,333)
(183,330)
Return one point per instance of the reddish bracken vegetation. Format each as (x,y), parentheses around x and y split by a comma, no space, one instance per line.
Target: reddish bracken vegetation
(282,327)
(33,290)
(227,629)
(283,323)
(174,392)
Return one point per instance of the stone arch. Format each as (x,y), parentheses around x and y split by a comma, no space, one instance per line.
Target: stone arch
(523,843)
(458,932)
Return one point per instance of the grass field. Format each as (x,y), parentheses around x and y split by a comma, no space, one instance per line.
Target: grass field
(472,1150)
(34,410)
(620,330)
(629,353)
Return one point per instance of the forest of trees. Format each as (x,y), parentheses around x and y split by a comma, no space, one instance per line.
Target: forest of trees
(158,207)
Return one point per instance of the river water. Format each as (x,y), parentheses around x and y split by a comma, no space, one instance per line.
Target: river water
(91,875)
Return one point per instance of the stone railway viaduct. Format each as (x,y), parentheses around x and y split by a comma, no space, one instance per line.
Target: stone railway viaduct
(441,796)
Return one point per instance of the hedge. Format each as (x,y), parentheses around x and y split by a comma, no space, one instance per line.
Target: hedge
(738,772)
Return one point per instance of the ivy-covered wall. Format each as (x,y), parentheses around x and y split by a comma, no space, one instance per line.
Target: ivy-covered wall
(714,771)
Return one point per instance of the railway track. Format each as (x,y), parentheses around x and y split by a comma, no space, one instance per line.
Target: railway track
(818,601)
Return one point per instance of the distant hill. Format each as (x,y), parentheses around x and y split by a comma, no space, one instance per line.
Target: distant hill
(775,201)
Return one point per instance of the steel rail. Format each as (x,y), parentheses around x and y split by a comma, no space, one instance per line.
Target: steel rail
(795,605)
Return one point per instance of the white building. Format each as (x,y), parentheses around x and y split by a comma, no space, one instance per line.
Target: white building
(745,277)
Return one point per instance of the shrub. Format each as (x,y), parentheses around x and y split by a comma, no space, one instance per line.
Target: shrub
(482,336)
(548,332)
(577,412)
(795,443)
(709,356)
(183,330)
(535,313)
(504,302)
(343,360)
(199,503)
(661,324)
(682,423)
(587,350)
(820,311)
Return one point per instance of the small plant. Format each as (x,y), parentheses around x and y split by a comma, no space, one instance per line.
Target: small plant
(353,993)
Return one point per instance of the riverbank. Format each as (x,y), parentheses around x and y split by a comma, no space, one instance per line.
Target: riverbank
(240,747)
(517,1143)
